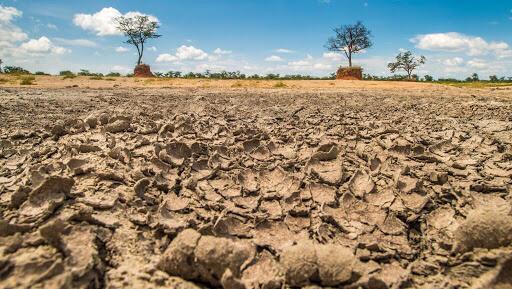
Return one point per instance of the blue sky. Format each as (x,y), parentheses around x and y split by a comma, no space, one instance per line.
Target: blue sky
(259,36)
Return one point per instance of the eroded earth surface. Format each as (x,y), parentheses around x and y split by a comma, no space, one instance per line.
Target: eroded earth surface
(149,188)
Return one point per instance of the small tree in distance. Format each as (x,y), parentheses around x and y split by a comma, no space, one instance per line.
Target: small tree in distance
(350,39)
(1,62)
(138,29)
(406,61)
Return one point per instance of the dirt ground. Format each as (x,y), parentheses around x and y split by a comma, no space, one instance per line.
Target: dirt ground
(201,184)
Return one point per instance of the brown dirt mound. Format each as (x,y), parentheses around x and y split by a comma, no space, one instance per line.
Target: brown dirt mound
(349,73)
(142,70)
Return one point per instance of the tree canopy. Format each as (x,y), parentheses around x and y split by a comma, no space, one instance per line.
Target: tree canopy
(350,39)
(138,29)
(406,61)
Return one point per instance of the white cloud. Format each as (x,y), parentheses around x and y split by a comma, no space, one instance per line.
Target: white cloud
(103,22)
(455,61)
(190,53)
(457,42)
(477,63)
(183,53)
(152,48)
(51,26)
(166,57)
(76,42)
(333,56)
(274,58)
(284,50)
(10,33)
(122,49)
(7,14)
(219,51)
(43,45)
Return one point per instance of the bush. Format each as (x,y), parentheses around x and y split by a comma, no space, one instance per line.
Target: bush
(428,78)
(280,84)
(96,77)
(66,73)
(41,73)
(15,70)
(4,80)
(69,76)
(27,80)
(113,74)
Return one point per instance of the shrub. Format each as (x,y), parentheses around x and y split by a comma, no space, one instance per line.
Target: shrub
(96,77)
(41,73)
(69,76)
(27,80)
(110,79)
(66,73)
(15,70)
(113,74)
(4,80)
(237,84)
(280,84)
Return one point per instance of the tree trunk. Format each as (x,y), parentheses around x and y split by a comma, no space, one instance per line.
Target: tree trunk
(350,60)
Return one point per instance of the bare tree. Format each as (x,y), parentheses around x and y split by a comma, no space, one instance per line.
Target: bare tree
(1,62)
(406,61)
(138,29)
(350,39)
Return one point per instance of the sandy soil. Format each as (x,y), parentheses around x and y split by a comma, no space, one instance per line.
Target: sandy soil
(360,185)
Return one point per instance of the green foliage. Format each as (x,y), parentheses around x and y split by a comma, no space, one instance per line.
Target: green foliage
(406,61)
(428,78)
(138,30)
(15,70)
(27,80)
(66,73)
(238,75)
(350,39)
(41,73)
(473,78)
(85,72)
(280,84)
(113,74)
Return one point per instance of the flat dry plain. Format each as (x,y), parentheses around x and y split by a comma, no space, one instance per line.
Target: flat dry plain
(140,183)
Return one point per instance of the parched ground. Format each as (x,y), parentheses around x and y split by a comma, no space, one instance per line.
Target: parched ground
(175,184)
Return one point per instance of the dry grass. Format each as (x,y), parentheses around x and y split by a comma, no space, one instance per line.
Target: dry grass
(27,80)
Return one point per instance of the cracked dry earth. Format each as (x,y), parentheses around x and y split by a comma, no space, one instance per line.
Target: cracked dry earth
(163,188)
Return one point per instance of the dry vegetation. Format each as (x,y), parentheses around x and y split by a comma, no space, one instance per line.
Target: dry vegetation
(249,184)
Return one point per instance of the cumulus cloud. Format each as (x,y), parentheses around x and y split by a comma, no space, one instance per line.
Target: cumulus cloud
(103,22)
(183,52)
(284,50)
(122,49)
(43,45)
(7,14)
(274,58)
(10,32)
(457,42)
(219,51)
(455,61)
(477,63)
(76,42)
(333,56)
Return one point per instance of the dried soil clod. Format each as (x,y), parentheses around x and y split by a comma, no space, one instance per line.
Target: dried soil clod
(486,227)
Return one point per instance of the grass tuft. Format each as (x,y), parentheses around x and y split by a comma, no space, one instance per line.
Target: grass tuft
(280,84)
(27,80)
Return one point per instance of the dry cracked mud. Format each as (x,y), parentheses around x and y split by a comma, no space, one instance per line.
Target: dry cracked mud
(197,188)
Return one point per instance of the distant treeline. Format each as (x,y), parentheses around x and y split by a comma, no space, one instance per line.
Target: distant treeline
(271,76)
(239,75)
